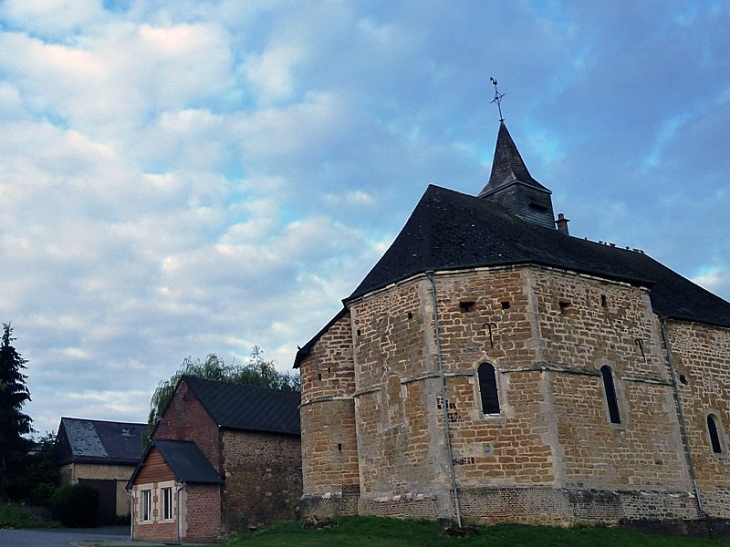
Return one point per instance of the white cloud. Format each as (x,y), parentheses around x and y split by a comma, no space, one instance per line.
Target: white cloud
(184,177)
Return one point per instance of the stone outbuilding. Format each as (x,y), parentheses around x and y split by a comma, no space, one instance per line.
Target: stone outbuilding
(103,454)
(223,457)
(492,367)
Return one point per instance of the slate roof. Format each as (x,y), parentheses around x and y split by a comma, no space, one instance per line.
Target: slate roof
(234,406)
(449,230)
(508,165)
(185,459)
(97,441)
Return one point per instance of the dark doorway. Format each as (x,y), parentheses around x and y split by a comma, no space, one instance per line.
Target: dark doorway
(107,510)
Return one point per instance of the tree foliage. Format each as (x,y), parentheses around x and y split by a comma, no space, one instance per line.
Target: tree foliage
(13,422)
(257,372)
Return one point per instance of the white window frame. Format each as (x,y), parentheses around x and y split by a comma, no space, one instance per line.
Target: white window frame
(145,505)
(164,506)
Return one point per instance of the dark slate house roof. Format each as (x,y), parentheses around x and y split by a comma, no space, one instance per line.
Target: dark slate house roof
(97,441)
(185,459)
(234,406)
(449,230)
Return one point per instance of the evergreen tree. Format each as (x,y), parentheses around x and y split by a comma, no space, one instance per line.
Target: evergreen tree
(13,423)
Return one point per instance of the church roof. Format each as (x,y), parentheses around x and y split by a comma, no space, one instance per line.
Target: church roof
(97,441)
(449,230)
(508,165)
(236,406)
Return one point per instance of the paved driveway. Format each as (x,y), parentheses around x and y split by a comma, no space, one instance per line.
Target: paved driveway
(65,537)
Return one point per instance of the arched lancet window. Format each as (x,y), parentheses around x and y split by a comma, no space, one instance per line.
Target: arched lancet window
(610,390)
(488,389)
(714,432)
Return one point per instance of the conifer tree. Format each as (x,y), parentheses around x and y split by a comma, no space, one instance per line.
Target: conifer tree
(13,422)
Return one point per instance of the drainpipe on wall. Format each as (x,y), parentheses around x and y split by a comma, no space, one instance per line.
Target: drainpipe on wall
(445,398)
(179,512)
(130,493)
(683,425)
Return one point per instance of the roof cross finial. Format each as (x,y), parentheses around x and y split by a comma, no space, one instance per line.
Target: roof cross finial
(497,98)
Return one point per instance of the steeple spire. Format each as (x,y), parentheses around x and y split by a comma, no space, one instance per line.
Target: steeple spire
(511,184)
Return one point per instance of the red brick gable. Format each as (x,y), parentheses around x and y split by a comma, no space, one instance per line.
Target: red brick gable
(185,419)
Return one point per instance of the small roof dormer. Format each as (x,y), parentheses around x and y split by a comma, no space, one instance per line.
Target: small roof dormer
(511,185)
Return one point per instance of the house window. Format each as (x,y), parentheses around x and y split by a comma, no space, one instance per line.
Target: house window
(145,505)
(714,431)
(488,389)
(610,391)
(166,497)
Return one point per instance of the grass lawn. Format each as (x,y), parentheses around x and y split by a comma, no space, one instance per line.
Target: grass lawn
(380,532)
(13,515)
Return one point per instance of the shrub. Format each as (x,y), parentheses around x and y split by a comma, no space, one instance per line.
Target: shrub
(75,505)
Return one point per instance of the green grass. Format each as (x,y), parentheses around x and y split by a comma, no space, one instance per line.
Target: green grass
(381,532)
(13,515)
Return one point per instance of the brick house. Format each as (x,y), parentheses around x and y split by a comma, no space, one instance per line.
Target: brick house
(491,367)
(103,454)
(222,457)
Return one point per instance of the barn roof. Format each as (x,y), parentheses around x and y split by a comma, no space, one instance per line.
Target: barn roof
(97,441)
(235,406)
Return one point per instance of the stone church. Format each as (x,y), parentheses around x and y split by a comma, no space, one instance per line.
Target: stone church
(492,367)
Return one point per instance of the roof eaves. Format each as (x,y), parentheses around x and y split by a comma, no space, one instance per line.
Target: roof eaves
(489,264)
(304,351)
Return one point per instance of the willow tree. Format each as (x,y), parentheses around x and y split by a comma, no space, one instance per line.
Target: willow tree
(257,372)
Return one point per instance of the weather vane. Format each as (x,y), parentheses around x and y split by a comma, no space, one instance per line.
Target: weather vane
(497,98)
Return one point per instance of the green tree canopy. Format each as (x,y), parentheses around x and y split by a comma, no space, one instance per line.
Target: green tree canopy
(13,422)
(257,372)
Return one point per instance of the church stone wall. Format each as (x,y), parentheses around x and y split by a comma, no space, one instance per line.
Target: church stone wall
(702,359)
(552,454)
(330,470)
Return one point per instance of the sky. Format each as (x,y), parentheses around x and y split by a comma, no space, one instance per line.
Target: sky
(184,177)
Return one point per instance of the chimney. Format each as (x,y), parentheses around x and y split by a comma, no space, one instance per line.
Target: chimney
(562,223)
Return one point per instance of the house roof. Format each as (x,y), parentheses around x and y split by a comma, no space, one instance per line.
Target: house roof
(449,230)
(187,461)
(96,441)
(184,458)
(235,406)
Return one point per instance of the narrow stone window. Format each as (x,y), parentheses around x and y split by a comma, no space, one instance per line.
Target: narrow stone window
(604,301)
(564,306)
(683,379)
(466,306)
(505,305)
(339,447)
(610,391)
(410,315)
(713,430)
(488,389)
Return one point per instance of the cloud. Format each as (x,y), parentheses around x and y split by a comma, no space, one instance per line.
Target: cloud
(184,177)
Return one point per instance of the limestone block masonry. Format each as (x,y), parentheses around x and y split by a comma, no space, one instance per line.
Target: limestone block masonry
(564,448)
